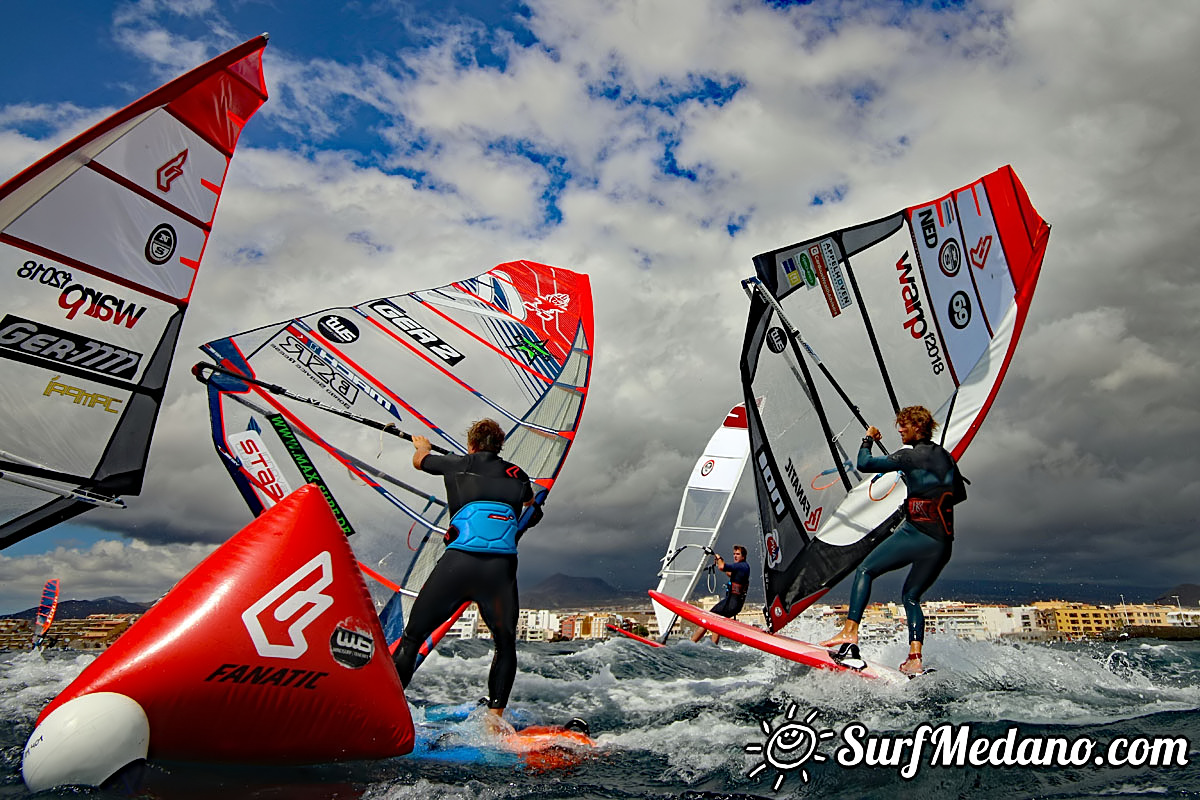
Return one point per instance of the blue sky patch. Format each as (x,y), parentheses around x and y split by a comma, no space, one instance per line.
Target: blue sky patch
(834,194)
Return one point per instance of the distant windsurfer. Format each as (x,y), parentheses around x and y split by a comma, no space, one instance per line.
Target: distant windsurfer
(923,539)
(487,497)
(735,591)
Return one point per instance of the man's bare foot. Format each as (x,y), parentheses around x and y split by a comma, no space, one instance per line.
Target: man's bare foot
(496,724)
(912,665)
(840,639)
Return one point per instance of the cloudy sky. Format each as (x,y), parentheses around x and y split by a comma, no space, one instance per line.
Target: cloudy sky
(658,145)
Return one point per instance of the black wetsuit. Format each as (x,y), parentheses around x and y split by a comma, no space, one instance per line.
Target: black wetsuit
(485,574)
(735,591)
(923,539)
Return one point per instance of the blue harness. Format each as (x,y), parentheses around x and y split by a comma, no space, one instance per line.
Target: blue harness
(485,526)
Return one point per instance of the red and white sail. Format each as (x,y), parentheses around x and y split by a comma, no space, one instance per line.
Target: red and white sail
(100,244)
(705,501)
(325,392)
(46,611)
(922,307)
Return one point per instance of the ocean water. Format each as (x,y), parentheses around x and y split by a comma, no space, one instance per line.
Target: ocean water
(677,722)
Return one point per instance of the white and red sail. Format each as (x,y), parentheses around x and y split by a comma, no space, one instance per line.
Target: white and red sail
(923,307)
(100,244)
(327,389)
(705,501)
(46,611)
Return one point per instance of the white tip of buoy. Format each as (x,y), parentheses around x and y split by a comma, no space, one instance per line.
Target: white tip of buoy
(85,741)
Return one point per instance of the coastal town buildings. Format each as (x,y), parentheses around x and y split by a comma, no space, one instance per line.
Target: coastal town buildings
(1051,620)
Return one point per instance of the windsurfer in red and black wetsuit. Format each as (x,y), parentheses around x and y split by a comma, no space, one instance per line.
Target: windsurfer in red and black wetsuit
(735,591)
(924,538)
(487,498)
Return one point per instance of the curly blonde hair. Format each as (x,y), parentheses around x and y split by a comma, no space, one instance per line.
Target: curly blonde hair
(920,418)
(486,435)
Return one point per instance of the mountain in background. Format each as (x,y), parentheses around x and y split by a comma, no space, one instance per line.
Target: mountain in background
(1185,594)
(78,609)
(567,592)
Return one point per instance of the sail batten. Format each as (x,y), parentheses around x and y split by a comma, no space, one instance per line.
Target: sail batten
(921,307)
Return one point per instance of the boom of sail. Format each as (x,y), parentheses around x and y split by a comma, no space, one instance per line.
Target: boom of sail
(100,243)
(922,307)
(705,501)
(329,398)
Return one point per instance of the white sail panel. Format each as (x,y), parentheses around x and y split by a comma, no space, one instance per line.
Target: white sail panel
(135,239)
(171,162)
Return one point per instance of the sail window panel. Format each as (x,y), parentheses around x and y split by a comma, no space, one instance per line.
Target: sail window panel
(702,508)
(539,454)
(58,421)
(558,410)
(388,383)
(427,554)
(17,499)
(117,231)
(793,428)
(575,371)
(692,559)
(170,162)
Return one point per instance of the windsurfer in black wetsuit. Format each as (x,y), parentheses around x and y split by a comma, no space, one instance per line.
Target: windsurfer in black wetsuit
(735,590)
(487,498)
(923,539)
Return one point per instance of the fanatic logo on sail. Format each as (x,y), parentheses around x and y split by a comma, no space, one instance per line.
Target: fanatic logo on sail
(171,170)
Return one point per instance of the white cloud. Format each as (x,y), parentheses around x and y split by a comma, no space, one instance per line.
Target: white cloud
(1087,101)
(131,569)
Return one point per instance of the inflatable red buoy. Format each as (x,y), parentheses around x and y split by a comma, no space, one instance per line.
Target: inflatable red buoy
(269,651)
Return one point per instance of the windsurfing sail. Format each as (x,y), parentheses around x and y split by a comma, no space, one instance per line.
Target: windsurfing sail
(328,398)
(45,612)
(101,241)
(922,307)
(709,491)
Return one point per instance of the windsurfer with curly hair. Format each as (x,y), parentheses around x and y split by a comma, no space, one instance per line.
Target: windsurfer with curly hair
(735,591)
(487,498)
(923,540)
